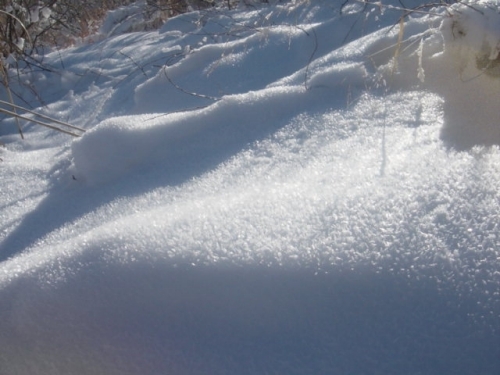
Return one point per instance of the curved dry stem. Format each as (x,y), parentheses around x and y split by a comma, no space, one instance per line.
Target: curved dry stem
(20,22)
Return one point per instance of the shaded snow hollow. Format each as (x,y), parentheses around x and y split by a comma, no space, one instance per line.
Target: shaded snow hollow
(284,190)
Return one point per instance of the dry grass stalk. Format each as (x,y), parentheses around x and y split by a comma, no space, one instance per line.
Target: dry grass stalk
(5,80)
(63,127)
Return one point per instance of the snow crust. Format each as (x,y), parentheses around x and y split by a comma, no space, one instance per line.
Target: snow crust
(288,189)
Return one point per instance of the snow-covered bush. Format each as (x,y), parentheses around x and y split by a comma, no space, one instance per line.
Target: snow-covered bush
(26,26)
(29,27)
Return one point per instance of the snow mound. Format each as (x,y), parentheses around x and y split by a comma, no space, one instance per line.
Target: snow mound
(180,141)
(295,248)
(472,39)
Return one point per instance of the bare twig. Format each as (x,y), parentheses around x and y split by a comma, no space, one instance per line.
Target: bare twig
(9,94)
(135,63)
(20,22)
(186,91)
(311,57)
(73,130)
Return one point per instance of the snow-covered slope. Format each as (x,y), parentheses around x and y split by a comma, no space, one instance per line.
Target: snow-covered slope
(289,189)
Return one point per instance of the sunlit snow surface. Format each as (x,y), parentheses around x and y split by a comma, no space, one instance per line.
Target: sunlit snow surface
(268,193)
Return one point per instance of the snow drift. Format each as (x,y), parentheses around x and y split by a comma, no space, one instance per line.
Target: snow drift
(332,211)
(453,56)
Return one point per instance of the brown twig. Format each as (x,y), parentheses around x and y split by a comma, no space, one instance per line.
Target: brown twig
(74,130)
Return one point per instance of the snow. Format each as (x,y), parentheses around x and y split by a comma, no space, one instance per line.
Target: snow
(35,14)
(123,19)
(283,189)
